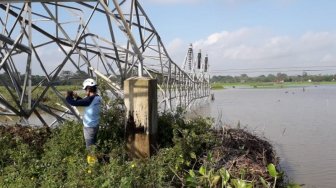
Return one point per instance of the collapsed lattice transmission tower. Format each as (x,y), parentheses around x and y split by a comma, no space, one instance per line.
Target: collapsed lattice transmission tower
(195,67)
(110,40)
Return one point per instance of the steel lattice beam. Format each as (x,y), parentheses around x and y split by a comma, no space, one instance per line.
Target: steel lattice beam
(111,40)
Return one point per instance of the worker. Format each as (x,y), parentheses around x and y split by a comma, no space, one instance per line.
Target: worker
(91,114)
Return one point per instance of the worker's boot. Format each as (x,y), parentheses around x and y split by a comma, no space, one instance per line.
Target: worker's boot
(91,159)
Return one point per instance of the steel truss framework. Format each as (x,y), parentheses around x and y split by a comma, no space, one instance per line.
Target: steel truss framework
(110,40)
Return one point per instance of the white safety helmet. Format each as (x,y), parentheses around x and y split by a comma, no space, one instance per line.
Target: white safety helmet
(89,82)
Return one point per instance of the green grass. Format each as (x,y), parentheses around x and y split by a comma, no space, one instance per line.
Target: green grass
(216,86)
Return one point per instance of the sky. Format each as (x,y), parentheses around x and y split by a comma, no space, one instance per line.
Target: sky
(250,36)
(240,36)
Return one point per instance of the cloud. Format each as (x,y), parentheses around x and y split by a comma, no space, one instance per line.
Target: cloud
(248,48)
(178,48)
(175,45)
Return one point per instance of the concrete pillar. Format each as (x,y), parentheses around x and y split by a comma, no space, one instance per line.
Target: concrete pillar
(142,115)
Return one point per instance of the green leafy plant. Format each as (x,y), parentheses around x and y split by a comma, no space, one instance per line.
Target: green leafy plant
(273,172)
(189,154)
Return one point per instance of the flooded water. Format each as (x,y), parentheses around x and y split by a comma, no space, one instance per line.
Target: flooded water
(301,124)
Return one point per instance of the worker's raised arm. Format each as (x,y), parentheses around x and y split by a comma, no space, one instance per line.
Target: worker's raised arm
(80,102)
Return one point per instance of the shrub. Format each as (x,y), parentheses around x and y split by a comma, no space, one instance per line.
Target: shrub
(189,153)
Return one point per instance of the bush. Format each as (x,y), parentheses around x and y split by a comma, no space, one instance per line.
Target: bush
(186,156)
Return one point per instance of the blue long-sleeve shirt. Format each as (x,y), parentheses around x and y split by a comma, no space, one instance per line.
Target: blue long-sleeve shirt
(91,115)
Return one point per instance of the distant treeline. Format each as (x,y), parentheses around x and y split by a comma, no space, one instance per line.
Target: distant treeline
(280,77)
(64,79)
